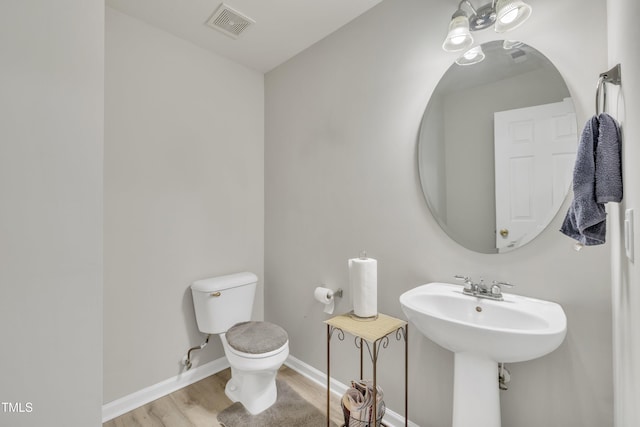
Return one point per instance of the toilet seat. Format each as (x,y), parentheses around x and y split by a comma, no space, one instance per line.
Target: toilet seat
(255,362)
(256,338)
(284,347)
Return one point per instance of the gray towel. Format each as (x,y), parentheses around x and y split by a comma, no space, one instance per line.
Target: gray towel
(597,179)
(608,161)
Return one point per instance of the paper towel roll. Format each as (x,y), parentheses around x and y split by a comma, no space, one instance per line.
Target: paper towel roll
(363,282)
(325,296)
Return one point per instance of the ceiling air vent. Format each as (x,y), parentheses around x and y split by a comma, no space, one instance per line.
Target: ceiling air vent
(229,21)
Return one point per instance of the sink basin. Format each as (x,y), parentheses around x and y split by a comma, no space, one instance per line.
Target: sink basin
(513,330)
(483,332)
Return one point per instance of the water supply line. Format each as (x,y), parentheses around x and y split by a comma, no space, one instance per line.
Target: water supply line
(187,359)
(504,376)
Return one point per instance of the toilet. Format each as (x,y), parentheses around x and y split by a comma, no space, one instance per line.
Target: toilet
(255,350)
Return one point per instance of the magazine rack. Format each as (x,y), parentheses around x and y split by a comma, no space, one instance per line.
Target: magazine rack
(373,333)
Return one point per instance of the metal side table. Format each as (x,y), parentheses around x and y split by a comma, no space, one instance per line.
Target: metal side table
(374,333)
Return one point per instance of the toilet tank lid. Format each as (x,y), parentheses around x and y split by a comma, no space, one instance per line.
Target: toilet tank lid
(224,282)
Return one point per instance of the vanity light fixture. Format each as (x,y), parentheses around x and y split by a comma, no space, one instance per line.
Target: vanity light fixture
(505,14)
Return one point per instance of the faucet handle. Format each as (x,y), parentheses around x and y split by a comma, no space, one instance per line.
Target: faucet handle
(466,279)
(468,283)
(509,285)
(496,288)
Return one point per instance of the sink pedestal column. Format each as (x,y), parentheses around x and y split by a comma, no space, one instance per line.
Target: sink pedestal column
(476,397)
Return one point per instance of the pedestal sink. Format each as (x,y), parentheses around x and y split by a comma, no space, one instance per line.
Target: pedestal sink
(482,333)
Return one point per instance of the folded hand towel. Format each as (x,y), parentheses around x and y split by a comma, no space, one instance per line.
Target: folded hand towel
(597,179)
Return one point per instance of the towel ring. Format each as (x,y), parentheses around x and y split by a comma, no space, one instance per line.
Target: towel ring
(612,76)
(600,88)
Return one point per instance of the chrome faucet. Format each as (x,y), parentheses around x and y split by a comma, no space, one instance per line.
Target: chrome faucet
(481,290)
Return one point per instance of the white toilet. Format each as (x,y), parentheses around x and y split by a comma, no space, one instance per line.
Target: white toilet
(255,350)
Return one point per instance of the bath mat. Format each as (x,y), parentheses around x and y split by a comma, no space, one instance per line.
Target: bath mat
(290,410)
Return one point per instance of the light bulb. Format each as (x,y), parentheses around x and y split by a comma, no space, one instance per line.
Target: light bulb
(458,39)
(509,16)
(470,54)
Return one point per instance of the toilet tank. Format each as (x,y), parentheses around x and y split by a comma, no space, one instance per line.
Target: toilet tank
(221,302)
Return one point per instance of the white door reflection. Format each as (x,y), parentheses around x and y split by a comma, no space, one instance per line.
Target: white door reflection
(535,149)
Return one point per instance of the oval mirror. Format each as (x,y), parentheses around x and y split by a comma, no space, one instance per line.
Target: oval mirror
(496,147)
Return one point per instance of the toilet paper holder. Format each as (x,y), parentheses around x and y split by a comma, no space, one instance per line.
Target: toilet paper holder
(337,292)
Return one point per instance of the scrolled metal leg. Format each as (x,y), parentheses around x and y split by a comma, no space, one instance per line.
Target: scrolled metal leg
(328,372)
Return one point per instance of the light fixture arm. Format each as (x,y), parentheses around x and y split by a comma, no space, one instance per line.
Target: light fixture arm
(473,9)
(468,3)
(479,17)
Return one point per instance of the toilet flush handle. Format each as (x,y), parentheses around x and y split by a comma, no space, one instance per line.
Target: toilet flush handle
(216,294)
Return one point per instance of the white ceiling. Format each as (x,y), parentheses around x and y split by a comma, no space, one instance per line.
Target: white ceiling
(283,28)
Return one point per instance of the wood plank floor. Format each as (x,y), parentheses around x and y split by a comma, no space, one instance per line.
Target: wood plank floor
(199,404)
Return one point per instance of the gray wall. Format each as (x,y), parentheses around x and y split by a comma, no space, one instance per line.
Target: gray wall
(625,106)
(341,176)
(51,136)
(184,197)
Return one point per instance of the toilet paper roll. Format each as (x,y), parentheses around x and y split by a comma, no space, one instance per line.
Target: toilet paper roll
(325,296)
(363,282)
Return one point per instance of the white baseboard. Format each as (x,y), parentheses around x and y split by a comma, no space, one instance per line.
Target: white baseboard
(391,418)
(142,397)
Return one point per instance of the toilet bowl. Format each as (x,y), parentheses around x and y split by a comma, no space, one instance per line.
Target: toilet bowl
(255,350)
(253,376)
